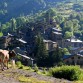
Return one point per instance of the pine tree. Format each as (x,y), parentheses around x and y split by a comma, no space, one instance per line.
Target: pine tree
(40,51)
(56,56)
(13,24)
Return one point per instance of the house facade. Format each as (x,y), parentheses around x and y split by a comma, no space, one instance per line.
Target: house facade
(76,59)
(55,35)
(72,42)
(76,50)
(4,42)
(24,57)
(50,45)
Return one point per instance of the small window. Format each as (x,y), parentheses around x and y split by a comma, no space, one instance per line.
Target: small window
(78,57)
(72,58)
(73,62)
(66,41)
(78,62)
(67,62)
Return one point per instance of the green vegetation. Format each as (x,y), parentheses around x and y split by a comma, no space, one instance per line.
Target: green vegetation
(65,15)
(65,51)
(35,68)
(55,57)
(24,79)
(1,34)
(19,64)
(67,72)
(36,16)
(40,51)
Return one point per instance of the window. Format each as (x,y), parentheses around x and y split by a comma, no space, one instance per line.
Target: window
(75,45)
(78,62)
(78,57)
(73,62)
(67,62)
(72,58)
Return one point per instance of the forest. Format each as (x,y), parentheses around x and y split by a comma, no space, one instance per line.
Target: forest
(67,14)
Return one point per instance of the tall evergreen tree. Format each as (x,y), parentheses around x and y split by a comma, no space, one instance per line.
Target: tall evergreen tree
(55,56)
(40,51)
(13,24)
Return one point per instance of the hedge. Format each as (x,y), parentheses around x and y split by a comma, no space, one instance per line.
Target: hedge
(66,72)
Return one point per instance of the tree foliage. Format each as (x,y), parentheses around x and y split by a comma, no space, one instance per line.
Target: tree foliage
(40,51)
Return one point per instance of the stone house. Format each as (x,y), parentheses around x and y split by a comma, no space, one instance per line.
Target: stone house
(50,45)
(57,36)
(54,34)
(73,43)
(24,57)
(27,60)
(4,41)
(11,41)
(76,50)
(75,59)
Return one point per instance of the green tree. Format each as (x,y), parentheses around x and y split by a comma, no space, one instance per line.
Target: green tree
(59,19)
(40,51)
(65,51)
(49,14)
(68,34)
(21,20)
(68,26)
(55,56)
(13,24)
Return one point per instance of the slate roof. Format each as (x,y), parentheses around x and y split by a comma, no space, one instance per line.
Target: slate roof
(74,40)
(25,56)
(69,56)
(21,40)
(56,29)
(57,33)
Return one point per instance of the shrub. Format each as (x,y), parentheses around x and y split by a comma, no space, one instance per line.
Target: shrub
(60,64)
(44,71)
(19,64)
(67,72)
(35,68)
(19,57)
(21,67)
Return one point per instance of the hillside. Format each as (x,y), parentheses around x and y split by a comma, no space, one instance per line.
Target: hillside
(38,29)
(68,16)
(24,76)
(14,8)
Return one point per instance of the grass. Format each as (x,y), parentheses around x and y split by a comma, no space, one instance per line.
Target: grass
(24,79)
(44,73)
(78,82)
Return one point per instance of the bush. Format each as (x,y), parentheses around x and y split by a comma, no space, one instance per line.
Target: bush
(44,71)
(35,68)
(19,64)
(60,64)
(66,72)
(21,67)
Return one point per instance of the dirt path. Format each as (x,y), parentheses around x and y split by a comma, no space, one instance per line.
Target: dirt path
(11,76)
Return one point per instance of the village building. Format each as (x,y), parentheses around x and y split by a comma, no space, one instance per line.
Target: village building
(55,35)
(74,59)
(50,45)
(76,50)
(73,43)
(4,42)
(24,57)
